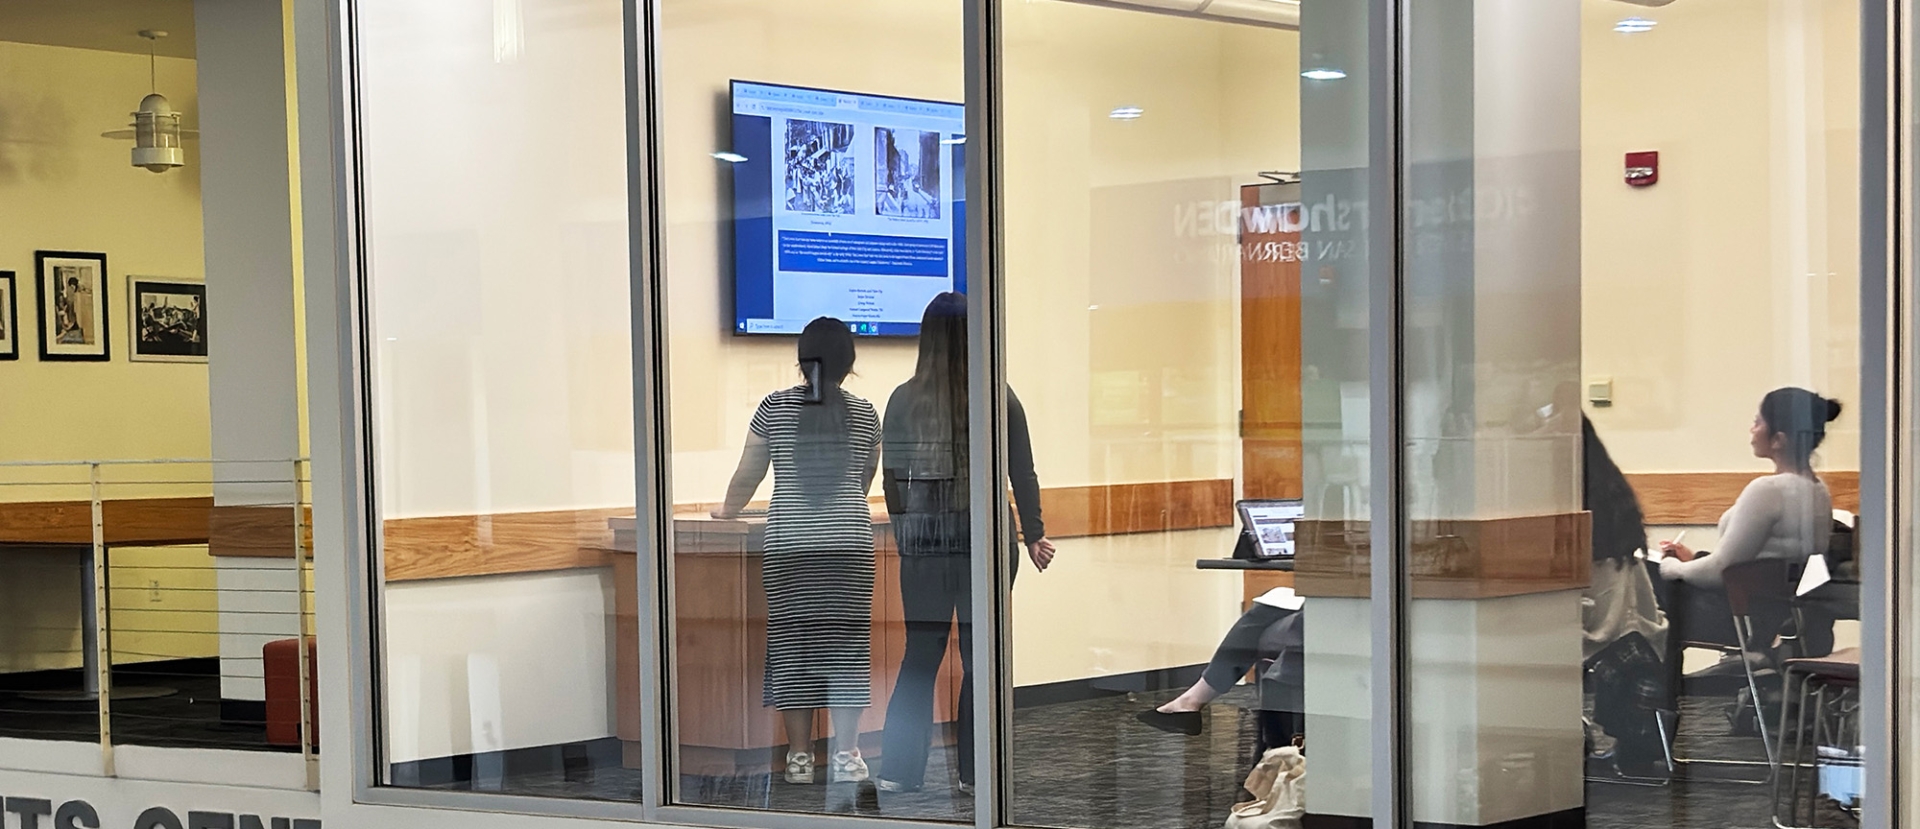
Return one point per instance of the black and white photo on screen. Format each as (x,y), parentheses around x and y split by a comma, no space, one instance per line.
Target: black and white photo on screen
(169,320)
(72,293)
(819,167)
(906,173)
(9,318)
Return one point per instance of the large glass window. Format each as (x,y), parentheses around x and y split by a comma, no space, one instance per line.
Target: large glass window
(1187,315)
(497,281)
(812,175)
(1593,346)
(1632,371)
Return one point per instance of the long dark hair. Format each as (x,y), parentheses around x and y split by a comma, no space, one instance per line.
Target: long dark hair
(1801,417)
(1619,525)
(937,411)
(821,454)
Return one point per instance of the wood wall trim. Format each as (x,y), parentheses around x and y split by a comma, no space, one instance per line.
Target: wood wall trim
(257,531)
(125,522)
(1700,497)
(1454,559)
(489,545)
(1121,509)
(531,542)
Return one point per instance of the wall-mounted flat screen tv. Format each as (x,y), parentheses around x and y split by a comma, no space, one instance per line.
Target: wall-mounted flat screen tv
(845,205)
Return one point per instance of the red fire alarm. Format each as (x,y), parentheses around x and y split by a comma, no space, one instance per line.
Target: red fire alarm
(1643,169)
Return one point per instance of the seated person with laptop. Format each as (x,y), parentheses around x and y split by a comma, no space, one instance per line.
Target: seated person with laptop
(1270,629)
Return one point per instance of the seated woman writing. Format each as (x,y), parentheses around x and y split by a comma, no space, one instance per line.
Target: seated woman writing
(1784,516)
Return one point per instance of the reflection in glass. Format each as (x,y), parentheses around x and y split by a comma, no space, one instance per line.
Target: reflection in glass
(1187,310)
(812,165)
(1625,457)
(499,345)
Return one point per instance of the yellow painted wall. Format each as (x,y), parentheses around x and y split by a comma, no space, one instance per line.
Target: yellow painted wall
(63,187)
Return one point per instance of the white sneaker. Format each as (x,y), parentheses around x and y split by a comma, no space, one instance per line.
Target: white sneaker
(848,767)
(799,767)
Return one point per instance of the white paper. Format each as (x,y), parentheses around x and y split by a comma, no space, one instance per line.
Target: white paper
(1815,575)
(1283,598)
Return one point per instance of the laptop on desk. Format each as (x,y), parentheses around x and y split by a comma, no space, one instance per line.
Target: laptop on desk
(1267,528)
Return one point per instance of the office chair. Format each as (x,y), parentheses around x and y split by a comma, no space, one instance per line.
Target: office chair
(1755,588)
(1838,672)
(1761,602)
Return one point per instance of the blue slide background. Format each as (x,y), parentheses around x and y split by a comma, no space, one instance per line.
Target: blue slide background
(753,237)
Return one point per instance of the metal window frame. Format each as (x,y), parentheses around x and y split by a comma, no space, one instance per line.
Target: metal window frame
(1390,584)
(1887,460)
(987,412)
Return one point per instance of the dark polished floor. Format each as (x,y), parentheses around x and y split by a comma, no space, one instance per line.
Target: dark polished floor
(1089,764)
(1085,763)
(188,715)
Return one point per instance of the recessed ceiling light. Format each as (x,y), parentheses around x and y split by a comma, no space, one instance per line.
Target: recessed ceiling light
(730,158)
(1634,25)
(1126,113)
(1323,74)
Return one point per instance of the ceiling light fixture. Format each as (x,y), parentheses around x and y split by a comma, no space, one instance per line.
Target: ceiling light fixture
(730,158)
(1126,113)
(1634,25)
(954,141)
(1323,74)
(155,130)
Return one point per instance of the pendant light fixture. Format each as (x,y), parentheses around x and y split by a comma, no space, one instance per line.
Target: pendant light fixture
(156,131)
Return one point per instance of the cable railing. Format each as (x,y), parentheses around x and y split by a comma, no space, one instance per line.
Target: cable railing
(164,603)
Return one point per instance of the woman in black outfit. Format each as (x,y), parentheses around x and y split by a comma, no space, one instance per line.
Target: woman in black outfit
(924,474)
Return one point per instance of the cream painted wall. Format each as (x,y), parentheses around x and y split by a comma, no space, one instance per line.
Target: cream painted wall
(1212,124)
(499,662)
(1738,272)
(63,187)
(496,227)
(1142,388)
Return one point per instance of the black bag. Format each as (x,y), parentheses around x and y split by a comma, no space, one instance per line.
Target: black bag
(1629,695)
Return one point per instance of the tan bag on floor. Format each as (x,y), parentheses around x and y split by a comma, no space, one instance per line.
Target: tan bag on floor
(1279,780)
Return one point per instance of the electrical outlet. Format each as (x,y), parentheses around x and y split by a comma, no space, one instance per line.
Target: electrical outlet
(153,591)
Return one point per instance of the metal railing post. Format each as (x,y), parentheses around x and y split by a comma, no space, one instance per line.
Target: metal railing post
(100,650)
(300,566)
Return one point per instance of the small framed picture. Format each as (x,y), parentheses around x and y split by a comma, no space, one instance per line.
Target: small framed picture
(169,322)
(72,291)
(9,318)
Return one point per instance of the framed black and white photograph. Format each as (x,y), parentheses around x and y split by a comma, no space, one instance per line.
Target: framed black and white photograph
(820,167)
(169,322)
(72,289)
(9,318)
(906,173)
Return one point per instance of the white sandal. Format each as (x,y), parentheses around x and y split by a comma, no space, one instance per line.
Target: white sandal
(848,767)
(800,767)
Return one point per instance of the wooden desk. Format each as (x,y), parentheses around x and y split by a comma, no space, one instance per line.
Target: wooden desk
(720,641)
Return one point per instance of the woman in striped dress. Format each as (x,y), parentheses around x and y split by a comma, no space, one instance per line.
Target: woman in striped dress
(823,444)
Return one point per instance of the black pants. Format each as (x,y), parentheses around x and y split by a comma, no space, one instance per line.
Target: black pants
(935,591)
(1240,648)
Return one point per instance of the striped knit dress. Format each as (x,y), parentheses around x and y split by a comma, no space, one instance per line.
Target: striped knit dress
(818,567)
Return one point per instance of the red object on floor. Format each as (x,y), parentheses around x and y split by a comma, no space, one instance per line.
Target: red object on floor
(282,667)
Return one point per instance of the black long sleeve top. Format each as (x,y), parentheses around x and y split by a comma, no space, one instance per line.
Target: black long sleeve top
(924,477)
